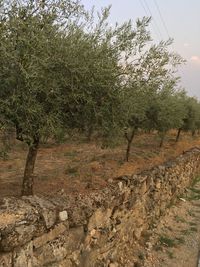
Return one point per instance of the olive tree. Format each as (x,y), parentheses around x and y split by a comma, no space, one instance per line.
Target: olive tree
(33,71)
(153,66)
(192,115)
(168,110)
(105,69)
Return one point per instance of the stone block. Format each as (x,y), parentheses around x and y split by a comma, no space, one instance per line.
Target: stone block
(50,236)
(18,223)
(63,215)
(45,208)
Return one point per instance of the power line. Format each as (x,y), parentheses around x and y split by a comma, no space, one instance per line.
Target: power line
(163,21)
(147,10)
(161,17)
(166,29)
(148,13)
(153,18)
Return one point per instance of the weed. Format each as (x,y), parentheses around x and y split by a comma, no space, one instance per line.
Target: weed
(170,204)
(170,254)
(191,214)
(3,155)
(141,256)
(179,219)
(192,224)
(71,170)
(195,194)
(193,229)
(71,154)
(189,231)
(157,247)
(180,240)
(194,197)
(195,181)
(167,241)
(120,162)
(197,191)
(185,232)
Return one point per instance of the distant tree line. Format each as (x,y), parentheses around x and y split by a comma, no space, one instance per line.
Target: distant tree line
(61,69)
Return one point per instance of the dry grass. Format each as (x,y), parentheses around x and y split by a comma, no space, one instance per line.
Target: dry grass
(175,239)
(79,167)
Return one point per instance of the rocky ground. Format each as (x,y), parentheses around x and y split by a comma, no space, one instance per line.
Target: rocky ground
(175,242)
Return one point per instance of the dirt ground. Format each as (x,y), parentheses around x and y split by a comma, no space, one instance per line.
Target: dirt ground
(80,167)
(176,240)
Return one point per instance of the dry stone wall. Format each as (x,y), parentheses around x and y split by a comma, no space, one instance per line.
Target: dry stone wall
(104,228)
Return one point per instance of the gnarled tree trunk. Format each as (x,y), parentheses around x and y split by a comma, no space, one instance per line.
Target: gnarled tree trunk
(89,133)
(178,134)
(129,142)
(27,186)
(162,135)
(193,132)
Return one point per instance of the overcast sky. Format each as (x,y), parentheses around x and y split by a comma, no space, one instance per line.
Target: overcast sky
(180,19)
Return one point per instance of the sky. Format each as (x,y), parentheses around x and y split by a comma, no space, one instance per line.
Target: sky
(178,19)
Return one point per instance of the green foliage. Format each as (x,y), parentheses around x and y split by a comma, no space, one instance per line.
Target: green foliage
(166,111)
(59,135)
(63,69)
(60,68)
(170,254)
(167,241)
(191,121)
(31,67)
(3,154)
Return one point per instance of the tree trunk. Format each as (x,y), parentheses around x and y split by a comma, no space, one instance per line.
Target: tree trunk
(149,131)
(178,135)
(129,142)
(162,140)
(193,132)
(89,133)
(27,186)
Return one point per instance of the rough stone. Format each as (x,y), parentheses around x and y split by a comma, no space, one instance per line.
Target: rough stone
(6,260)
(99,219)
(63,215)
(46,209)
(51,235)
(23,256)
(18,225)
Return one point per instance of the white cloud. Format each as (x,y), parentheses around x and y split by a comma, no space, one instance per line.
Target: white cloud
(195,59)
